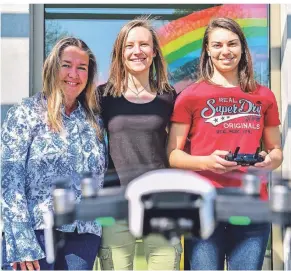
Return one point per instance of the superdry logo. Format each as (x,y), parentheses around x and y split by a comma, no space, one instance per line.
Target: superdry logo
(217,114)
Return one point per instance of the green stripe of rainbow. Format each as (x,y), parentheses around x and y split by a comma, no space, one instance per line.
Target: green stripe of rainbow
(184,35)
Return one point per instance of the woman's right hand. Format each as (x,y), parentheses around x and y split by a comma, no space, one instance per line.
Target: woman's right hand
(216,163)
(27,265)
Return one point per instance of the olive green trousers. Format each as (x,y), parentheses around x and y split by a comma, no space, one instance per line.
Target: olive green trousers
(117,250)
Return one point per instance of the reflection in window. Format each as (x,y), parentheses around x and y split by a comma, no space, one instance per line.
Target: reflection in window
(180,27)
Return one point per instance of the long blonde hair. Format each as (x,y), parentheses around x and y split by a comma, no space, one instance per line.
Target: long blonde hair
(158,70)
(54,94)
(245,66)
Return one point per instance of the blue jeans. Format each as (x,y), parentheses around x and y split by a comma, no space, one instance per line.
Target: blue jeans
(243,248)
(78,253)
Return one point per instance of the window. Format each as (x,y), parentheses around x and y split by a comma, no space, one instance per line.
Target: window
(180,27)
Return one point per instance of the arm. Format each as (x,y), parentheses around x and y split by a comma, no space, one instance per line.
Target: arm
(272,143)
(106,147)
(180,159)
(21,242)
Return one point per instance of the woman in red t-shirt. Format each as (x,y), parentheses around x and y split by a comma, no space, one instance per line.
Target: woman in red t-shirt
(225,109)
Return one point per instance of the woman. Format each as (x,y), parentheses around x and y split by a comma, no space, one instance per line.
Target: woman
(226,109)
(55,133)
(137,103)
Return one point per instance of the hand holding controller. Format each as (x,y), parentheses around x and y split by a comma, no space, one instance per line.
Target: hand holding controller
(244,159)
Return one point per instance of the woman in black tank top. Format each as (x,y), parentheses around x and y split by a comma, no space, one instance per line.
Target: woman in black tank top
(137,103)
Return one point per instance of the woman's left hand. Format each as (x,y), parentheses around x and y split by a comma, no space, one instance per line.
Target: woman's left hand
(266,164)
(27,265)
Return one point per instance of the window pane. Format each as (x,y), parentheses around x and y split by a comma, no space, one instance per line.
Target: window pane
(180,27)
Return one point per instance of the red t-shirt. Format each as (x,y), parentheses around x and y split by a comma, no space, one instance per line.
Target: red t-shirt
(225,118)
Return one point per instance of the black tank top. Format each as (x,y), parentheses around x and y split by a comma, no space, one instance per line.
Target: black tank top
(136,133)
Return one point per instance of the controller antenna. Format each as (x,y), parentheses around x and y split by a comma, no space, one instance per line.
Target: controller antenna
(257,152)
(236,152)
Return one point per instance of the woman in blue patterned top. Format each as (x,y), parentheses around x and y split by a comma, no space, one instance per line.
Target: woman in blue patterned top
(57,132)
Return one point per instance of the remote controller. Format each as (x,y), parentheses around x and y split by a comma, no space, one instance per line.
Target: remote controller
(244,159)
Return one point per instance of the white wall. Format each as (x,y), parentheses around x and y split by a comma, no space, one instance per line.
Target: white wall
(286,87)
(15,24)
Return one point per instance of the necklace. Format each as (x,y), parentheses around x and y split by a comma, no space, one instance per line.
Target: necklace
(136,91)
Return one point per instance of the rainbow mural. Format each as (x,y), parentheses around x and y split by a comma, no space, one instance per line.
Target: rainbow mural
(181,39)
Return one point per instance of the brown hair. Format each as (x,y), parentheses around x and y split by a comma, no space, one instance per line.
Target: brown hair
(54,94)
(158,70)
(245,66)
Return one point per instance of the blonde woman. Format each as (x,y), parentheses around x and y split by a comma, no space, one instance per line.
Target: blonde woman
(137,103)
(55,133)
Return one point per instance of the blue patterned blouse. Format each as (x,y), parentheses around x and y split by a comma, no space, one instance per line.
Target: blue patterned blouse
(32,157)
